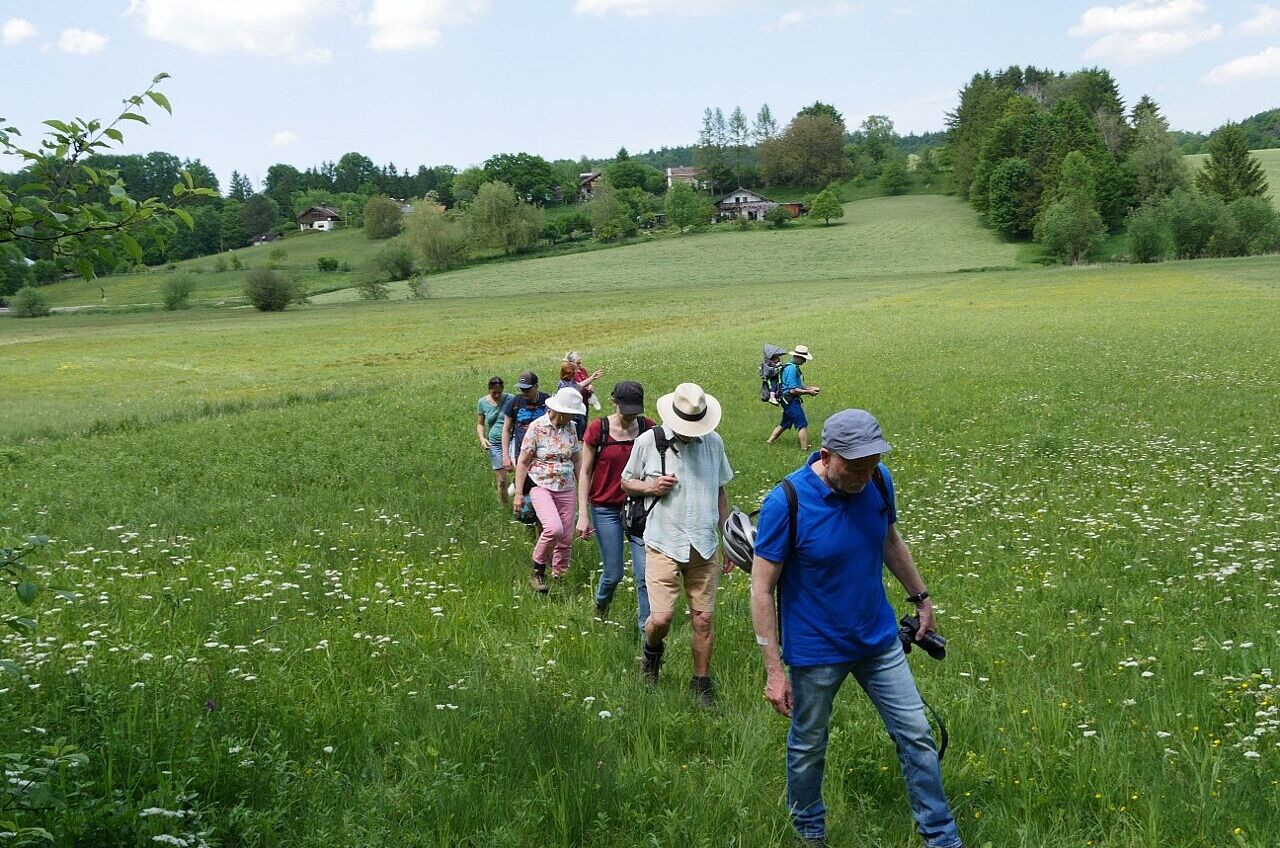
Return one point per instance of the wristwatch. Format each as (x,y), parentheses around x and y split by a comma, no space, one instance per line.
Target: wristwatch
(918,599)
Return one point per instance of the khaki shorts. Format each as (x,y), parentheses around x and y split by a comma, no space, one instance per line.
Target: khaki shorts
(663,576)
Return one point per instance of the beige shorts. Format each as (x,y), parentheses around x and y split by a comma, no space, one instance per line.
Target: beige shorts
(663,576)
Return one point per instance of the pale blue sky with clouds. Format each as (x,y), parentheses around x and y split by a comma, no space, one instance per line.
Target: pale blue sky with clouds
(453,81)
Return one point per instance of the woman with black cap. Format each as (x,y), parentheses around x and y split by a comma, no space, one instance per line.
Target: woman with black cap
(605,450)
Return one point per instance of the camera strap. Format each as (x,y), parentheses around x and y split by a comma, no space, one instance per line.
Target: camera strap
(944,737)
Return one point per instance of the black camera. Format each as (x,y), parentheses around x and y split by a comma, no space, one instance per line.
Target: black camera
(932,644)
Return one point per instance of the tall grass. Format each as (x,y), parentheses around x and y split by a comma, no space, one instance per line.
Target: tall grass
(303,618)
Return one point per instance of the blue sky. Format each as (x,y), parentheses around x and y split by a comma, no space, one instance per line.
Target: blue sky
(453,81)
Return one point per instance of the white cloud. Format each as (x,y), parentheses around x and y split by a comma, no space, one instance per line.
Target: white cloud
(1134,48)
(797,17)
(82,42)
(284,138)
(1265,20)
(1138,16)
(1144,29)
(16,30)
(788,19)
(1257,66)
(272,28)
(417,24)
(641,8)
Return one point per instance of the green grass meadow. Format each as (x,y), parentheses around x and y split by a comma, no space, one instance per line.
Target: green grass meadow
(303,619)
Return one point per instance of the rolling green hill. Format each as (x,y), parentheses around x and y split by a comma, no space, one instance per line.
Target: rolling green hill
(877,237)
(212,286)
(886,235)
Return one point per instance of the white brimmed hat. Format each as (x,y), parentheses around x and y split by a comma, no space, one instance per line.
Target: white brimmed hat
(689,411)
(803,352)
(567,400)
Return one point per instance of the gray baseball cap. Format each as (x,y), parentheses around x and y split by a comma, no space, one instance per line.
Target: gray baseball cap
(854,433)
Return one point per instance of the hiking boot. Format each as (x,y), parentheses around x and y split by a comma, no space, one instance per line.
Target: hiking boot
(703,691)
(538,581)
(602,609)
(652,662)
(810,842)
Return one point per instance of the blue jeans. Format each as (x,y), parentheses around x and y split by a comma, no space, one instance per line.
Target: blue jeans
(888,682)
(608,523)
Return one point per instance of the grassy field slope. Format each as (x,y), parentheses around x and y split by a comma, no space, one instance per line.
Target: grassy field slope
(304,621)
(1269,159)
(211,286)
(877,237)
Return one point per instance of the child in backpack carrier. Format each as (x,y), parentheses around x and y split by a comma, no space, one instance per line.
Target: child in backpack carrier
(771,374)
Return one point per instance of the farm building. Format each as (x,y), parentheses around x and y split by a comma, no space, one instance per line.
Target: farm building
(796,208)
(684,175)
(319,218)
(744,203)
(587,183)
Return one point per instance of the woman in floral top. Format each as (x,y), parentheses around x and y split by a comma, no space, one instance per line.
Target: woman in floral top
(549,456)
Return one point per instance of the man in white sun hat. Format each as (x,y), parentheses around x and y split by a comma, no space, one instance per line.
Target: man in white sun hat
(793,390)
(686,482)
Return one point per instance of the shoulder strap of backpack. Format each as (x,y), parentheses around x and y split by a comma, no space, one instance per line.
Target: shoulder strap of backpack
(662,443)
(604,432)
(890,509)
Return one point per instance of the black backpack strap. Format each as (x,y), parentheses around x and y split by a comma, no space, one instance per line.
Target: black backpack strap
(890,509)
(604,433)
(662,443)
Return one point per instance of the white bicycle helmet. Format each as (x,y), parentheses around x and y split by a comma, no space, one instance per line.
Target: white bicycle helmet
(739,539)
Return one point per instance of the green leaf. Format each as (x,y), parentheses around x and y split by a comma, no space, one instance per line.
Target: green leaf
(131,246)
(116,190)
(22,625)
(113,133)
(185,217)
(85,267)
(160,100)
(186,178)
(133,116)
(58,125)
(11,667)
(67,595)
(27,592)
(158,77)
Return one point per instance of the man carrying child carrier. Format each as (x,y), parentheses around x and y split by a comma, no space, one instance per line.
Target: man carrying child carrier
(793,389)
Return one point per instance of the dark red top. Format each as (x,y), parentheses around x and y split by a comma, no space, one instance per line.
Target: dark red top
(606,473)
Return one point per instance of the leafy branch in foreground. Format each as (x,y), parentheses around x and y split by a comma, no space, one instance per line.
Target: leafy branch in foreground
(14,571)
(71,210)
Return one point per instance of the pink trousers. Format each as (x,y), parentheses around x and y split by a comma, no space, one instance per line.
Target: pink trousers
(555,513)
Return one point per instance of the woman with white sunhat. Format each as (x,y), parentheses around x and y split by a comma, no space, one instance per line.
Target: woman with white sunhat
(550,456)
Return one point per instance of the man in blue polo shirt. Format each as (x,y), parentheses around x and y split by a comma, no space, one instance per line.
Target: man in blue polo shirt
(836,620)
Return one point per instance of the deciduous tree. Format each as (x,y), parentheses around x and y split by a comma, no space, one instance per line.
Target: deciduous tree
(381,217)
(1072,229)
(686,208)
(826,205)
